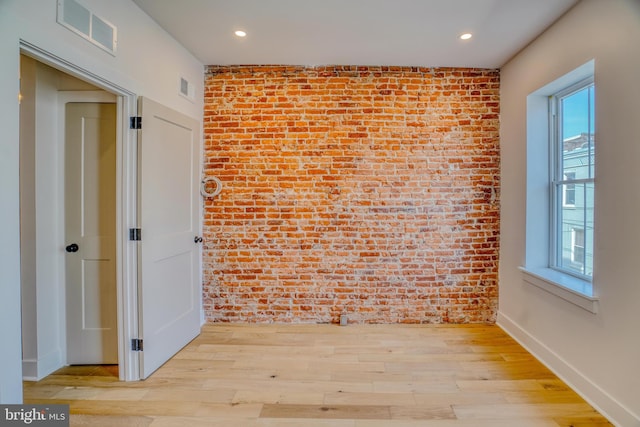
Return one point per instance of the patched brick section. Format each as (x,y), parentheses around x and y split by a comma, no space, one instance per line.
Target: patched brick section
(369,191)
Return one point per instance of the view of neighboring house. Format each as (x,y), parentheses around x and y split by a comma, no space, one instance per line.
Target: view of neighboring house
(578,159)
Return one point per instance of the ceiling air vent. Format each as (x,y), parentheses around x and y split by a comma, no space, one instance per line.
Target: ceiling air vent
(86,24)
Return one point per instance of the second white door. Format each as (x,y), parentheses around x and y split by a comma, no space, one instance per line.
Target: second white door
(90,230)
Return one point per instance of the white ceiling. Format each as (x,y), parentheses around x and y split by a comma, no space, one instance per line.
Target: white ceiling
(356,32)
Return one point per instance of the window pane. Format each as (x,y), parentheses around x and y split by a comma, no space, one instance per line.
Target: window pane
(575,243)
(578,131)
(576,113)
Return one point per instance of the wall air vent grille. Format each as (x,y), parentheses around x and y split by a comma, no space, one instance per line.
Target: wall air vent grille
(186,89)
(87,25)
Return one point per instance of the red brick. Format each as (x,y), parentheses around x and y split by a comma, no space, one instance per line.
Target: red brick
(370,191)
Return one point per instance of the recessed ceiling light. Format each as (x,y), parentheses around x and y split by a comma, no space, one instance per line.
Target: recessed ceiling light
(240,33)
(466,36)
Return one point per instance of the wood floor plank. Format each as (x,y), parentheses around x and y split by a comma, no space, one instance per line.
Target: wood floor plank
(530,385)
(543,397)
(109,421)
(229,411)
(347,412)
(457,423)
(191,395)
(588,421)
(397,399)
(437,385)
(304,422)
(460,398)
(237,375)
(136,408)
(202,422)
(440,412)
(278,397)
(524,411)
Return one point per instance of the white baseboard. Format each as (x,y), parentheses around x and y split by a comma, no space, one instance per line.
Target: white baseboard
(35,370)
(29,370)
(613,410)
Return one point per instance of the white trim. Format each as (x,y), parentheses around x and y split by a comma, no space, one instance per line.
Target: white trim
(565,286)
(30,370)
(70,68)
(126,176)
(37,369)
(603,402)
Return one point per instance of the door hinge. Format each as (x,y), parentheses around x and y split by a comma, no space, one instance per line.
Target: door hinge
(135,122)
(136,344)
(135,234)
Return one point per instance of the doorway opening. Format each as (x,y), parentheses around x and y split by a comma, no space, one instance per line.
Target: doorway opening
(69,197)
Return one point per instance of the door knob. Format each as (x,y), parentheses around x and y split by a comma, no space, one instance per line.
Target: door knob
(72,248)
(197,239)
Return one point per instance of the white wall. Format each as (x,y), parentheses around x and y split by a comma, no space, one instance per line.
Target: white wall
(599,353)
(148,63)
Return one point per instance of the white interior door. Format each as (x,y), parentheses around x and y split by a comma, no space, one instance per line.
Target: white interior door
(90,230)
(169,218)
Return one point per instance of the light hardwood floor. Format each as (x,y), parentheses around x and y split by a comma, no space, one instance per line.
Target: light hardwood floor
(327,375)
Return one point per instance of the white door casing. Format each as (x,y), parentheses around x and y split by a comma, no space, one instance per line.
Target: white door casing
(169,286)
(90,233)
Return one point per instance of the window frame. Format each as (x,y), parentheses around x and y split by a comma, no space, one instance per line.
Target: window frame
(558,180)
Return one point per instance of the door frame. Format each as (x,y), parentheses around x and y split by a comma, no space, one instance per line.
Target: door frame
(126,207)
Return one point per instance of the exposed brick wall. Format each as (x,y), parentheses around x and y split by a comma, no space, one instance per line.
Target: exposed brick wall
(370,191)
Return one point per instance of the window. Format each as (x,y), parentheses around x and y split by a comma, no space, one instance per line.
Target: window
(572,184)
(560,177)
(569,197)
(577,244)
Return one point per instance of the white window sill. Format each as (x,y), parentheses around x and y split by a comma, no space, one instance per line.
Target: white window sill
(565,286)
